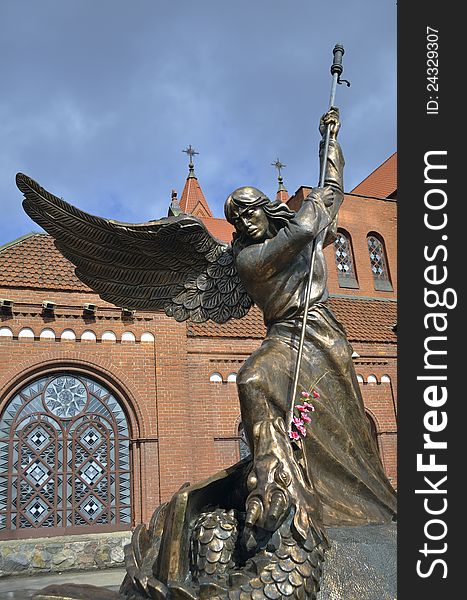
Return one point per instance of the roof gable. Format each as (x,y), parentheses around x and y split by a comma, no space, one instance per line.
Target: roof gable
(382,182)
(193,201)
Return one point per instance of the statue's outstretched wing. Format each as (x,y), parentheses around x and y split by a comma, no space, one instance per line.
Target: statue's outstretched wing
(173,264)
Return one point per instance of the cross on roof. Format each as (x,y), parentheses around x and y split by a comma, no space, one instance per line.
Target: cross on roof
(191,152)
(278,166)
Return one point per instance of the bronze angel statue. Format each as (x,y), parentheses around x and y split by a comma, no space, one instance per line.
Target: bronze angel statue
(257,529)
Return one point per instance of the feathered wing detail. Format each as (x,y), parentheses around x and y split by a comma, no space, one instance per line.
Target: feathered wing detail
(217,293)
(173,263)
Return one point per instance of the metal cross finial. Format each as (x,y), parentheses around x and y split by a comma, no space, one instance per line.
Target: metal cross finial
(278,166)
(191,152)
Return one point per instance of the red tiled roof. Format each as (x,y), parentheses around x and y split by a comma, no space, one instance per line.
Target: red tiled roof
(250,326)
(219,228)
(364,321)
(193,200)
(382,182)
(34,262)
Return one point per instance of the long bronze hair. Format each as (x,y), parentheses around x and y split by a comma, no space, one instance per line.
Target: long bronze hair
(277,212)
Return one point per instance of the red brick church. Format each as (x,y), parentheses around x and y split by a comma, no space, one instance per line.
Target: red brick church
(105,413)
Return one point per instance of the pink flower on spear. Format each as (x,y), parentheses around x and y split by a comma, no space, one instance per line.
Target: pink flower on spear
(299,422)
(300,425)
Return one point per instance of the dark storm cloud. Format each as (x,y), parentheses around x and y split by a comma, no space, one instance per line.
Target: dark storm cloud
(100,97)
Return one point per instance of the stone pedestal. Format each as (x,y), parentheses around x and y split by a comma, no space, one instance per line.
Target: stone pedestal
(361,564)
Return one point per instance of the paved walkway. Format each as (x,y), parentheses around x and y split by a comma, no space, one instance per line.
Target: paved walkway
(23,587)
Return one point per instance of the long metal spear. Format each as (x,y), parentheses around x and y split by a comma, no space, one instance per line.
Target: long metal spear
(336,71)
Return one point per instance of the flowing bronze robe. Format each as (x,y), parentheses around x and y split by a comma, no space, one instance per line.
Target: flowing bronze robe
(342,459)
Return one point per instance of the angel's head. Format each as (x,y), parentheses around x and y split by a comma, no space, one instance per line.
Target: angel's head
(254,216)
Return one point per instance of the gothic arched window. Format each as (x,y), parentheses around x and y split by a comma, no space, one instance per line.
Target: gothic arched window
(64,457)
(379,263)
(345,263)
(243,444)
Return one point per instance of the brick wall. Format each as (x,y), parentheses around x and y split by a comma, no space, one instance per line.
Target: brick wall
(360,217)
(184,427)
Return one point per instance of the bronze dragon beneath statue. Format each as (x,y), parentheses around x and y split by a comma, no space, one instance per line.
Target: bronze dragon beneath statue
(229,558)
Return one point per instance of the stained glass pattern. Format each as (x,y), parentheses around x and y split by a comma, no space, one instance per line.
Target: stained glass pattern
(243,444)
(65,397)
(64,456)
(378,264)
(344,261)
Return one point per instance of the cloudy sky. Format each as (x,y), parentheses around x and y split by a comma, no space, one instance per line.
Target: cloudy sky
(100,97)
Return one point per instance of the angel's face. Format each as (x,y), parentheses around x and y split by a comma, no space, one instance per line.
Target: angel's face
(253,223)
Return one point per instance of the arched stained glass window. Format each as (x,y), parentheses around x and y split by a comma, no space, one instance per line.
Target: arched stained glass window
(243,444)
(64,457)
(345,264)
(379,263)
